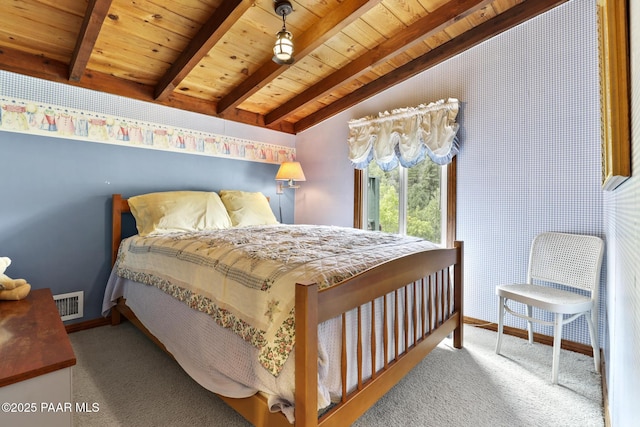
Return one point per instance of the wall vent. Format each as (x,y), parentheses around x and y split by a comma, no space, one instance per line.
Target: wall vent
(70,306)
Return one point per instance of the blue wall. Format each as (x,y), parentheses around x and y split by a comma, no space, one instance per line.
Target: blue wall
(55,218)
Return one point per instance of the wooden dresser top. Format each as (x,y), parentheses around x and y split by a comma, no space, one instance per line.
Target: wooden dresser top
(33,340)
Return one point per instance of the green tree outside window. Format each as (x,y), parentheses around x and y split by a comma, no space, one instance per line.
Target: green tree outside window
(423,210)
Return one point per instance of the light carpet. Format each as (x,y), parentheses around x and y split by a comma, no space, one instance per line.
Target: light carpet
(133,383)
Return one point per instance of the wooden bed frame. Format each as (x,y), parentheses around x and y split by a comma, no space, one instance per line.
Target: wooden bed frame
(436,274)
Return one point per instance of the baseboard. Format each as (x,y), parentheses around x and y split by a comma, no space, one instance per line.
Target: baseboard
(522,333)
(548,340)
(87,324)
(605,391)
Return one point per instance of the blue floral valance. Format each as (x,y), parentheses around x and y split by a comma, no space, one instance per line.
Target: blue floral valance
(406,136)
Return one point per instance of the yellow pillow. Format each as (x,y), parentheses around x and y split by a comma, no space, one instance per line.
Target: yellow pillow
(170,211)
(247,208)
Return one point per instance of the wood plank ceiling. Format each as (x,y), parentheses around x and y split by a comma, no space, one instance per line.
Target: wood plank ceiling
(214,56)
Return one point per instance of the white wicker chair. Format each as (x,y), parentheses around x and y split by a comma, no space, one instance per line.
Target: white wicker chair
(566,259)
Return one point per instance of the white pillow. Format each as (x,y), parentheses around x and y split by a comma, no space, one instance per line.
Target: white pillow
(246,208)
(170,211)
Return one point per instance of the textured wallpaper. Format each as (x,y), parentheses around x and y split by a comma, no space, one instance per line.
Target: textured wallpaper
(530,155)
(622,218)
(529,158)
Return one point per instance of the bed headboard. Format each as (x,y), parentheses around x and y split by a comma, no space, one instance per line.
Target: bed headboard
(119,207)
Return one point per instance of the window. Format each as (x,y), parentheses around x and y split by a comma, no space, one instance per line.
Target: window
(416,197)
(413,201)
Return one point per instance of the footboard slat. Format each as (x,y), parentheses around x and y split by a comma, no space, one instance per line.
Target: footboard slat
(385,333)
(415,319)
(406,318)
(396,330)
(439,300)
(343,375)
(458,301)
(431,304)
(424,300)
(374,347)
(359,344)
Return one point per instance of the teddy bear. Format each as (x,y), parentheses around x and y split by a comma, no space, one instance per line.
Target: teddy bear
(11,289)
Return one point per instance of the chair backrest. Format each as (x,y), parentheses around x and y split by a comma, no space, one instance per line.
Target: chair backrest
(568,259)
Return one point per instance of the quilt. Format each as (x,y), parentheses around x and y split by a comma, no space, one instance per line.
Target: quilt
(245,277)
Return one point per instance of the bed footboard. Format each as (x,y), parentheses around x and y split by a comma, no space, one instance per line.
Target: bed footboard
(420,299)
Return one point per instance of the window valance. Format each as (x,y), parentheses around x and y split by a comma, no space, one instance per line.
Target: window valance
(406,136)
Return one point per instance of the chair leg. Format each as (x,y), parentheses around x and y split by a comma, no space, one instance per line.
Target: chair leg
(530,324)
(557,338)
(594,341)
(500,323)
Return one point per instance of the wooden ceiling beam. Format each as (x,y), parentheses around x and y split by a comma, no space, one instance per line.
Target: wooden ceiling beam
(328,26)
(424,27)
(33,65)
(211,32)
(93,19)
(497,25)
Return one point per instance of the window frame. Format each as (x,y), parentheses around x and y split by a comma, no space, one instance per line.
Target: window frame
(451,194)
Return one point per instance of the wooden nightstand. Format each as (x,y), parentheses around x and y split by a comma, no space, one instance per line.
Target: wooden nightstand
(35,363)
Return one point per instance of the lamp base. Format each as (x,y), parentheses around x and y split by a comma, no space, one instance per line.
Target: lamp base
(282,7)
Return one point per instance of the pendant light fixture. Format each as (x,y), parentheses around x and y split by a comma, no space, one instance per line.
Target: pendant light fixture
(283,49)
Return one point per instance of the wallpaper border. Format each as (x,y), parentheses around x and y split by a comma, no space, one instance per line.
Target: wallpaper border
(31,117)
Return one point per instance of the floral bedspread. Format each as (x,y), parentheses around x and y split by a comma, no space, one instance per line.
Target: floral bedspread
(245,278)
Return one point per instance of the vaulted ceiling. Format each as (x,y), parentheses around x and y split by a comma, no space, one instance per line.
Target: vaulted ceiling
(215,56)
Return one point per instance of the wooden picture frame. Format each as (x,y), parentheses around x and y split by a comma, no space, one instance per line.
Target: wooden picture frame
(613,41)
